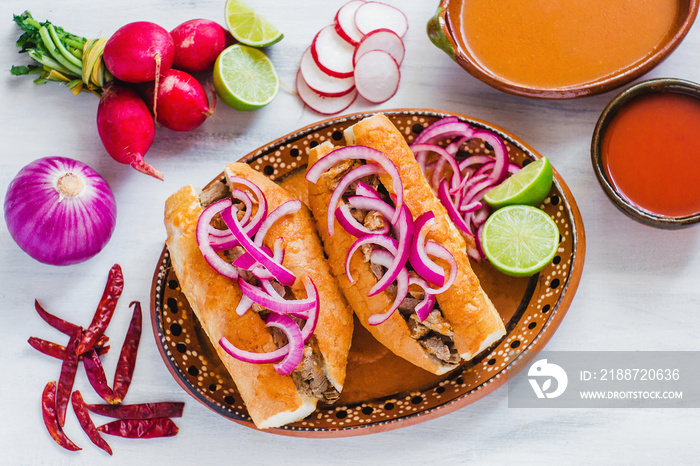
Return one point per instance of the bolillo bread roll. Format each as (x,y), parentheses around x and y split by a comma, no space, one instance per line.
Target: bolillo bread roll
(466,321)
(272,399)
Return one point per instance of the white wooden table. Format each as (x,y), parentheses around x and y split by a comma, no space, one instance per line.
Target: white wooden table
(639,289)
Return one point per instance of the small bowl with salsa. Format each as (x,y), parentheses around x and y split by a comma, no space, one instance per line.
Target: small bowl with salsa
(560,49)
(646,152)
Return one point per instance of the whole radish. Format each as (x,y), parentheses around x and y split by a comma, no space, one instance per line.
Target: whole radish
(182,102)
(138,51)
(126,127)
(198,42)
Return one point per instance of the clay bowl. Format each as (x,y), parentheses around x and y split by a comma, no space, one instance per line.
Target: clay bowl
(642,88)
(445,35)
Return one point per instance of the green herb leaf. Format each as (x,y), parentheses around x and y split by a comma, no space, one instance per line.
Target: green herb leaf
(24,70)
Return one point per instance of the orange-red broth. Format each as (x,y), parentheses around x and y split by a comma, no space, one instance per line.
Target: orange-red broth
(561,43)
(651,153)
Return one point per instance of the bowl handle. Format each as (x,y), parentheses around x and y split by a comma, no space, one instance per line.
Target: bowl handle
(436,32)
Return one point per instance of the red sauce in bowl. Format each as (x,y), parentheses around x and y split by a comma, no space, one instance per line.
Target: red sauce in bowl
(651,153)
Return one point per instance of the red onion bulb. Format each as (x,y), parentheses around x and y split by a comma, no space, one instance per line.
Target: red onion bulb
(60,211)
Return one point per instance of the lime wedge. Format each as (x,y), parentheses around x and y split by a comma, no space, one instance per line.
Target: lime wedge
(520,240)
(244,78)
(248,27)
(529,186)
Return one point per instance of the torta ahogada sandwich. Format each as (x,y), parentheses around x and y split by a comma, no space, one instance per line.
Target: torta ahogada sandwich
(245,291)
(360,216)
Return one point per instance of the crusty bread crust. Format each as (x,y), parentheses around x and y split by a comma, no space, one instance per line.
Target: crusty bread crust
(394,333)
(213,299)
(304,257)
(272,400)
(474,319)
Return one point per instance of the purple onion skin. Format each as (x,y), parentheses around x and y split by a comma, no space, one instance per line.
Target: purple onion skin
(58,231)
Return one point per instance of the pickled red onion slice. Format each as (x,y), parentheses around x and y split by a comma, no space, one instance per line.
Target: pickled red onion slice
(418,257)
(280,272)
(386,259)
(213,259)
(358,153)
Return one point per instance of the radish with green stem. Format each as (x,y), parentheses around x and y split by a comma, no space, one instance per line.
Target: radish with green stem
(126,127)
(138,52)
(182,103)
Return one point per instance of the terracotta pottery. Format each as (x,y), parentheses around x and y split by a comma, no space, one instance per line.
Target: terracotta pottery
(629,209)
(374,400)
(444,33)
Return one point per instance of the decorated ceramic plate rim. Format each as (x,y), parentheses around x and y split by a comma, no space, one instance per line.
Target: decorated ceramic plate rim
(514,356)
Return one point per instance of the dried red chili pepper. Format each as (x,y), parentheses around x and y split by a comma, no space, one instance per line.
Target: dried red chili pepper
(140,411)
(48,410)
(56,322)
(49,348)
(96,376)
(140,428)
(105,310)
(64,326)
(55,350)
(65,381)
(83,415)
(127,356)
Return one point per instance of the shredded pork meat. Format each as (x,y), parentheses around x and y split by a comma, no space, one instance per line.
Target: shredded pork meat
(213,193)
(358,214)
(339,170)
(377,270)
(308,376)
(437,323)
(417,329)
(408,305)
(310,379)
(438,347)
(366,252)
(374,220)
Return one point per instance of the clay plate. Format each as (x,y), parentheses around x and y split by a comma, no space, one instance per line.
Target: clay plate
(445,36)
(532,308)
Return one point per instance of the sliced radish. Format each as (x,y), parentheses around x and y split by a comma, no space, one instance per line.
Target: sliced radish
(381,39)
(375,15)
(377,76)
(345,22)
(321,104)
(323,83)
(360,53)
(332,53)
